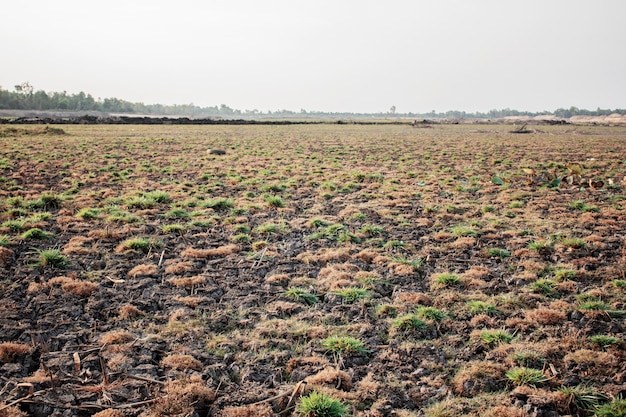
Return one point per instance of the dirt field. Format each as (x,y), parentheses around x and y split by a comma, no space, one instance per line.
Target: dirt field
(447,270)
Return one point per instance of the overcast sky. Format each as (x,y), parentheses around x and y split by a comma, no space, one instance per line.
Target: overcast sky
(340,55)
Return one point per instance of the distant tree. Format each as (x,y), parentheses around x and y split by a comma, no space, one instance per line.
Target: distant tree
(392,110)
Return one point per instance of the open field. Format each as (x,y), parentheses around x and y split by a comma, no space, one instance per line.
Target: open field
(453,270)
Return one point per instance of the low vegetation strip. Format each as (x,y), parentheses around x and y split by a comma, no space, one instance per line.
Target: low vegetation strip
(314,269)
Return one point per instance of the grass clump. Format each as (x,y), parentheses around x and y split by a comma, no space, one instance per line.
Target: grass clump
(498,253)
(372,230)
(446,280)
(158,196)
(430,313)
(174,228)
(417,264)
(574,243)
(481,307)
(604,341)
(541,246)
(495,337)
(88,213)
(619,283)
(408,323)
(543,286)
(582,400)
(594,305)
(52,258)
(141,203)
(271,228)
(616,408)
(302,295)
(142,244)
(275,201)
(345,345)
(36,233)
(318,404)
(48,200)
(464,231)
(177,213)
(14,225)
(219,203)
(526,376)
(5,240)
(351,295)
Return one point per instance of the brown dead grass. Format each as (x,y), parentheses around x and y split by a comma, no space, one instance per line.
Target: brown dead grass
(5,255)
(331,377)
(252,410)
(366,255)
(109,412)
(479,376)
(81,289)
(76,246)
(412,298)
(11,411)
(208,253)
(278,279)
(116,337)
(129,311)
(190,301)
(179,267)
(10,352)
(187,282)
(336,276)
(182,397)
(592,358)
(298,362)
(144,270)
(546,316)
(181,362)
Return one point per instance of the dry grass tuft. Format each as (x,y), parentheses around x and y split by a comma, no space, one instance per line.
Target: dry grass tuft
(61,280)
(116,337)
(414,298)
(207,253)
(82,289)
(181,362)
(366,255)
(278,279)
(10,351)
(190,301)
(187,282)
(179,267)
(12,411)
(35,287)
(76,245)
(546,316)
(336,276)
(128,311)
(120,362)
(5,255)
(464,242)
(109,412)
(182,398)
(143,270)
(593,358)
(109,234)
(325,256)
(331,377)
(478,377)
(299,362)
(251,410)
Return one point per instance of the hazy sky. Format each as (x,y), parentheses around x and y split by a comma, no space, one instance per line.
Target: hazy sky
(341,55)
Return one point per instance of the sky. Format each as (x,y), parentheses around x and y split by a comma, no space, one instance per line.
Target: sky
(334,56)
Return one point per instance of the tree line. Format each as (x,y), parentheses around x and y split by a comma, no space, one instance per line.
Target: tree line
(25,97)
